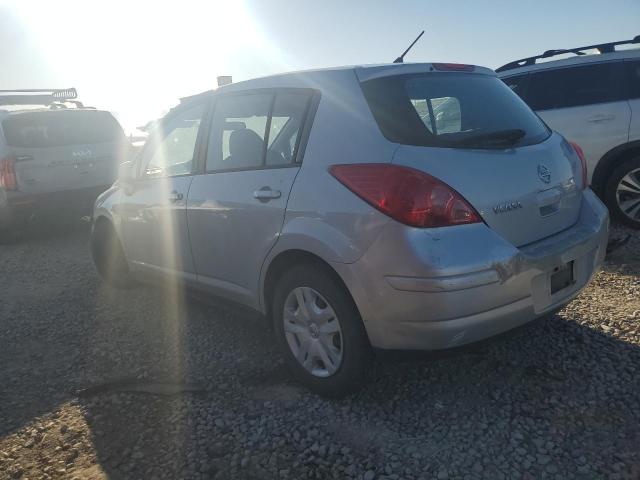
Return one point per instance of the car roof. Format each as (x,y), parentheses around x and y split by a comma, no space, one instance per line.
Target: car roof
(322,78)
(580,56)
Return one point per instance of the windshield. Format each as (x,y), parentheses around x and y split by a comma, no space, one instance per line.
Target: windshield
(61,128)
(458,110)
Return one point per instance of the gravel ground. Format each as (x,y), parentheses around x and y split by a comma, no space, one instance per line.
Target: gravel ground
(198,391)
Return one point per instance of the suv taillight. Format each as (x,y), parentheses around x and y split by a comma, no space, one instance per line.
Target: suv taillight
(583,163)
(406,195)
(8,179)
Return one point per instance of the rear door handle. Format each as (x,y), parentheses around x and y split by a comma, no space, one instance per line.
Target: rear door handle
(600,118)
(175,196)
(266,194)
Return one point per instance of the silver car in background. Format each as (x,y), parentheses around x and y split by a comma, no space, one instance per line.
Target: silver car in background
(56,156)
(415,206)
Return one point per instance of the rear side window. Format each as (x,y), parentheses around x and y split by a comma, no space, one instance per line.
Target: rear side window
(254,130)
(455,110)
(61,128)
(576,86)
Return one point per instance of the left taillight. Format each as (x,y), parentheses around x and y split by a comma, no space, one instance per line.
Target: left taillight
(583,163)
(409,196)
(8,179)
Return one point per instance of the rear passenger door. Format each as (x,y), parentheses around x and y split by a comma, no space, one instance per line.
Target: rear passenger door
(587,104)
(236,208)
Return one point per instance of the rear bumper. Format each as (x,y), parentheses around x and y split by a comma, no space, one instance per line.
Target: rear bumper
(448,287)
(17,208)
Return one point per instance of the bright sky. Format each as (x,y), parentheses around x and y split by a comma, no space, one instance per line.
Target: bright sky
(136,58)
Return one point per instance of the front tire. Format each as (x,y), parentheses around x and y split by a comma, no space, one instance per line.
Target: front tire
(108,256)
(320,331)
(622,193)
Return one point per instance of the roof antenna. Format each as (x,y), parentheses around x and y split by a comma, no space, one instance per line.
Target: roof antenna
(400,59)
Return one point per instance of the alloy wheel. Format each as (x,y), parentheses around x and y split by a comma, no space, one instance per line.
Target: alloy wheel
(628,194)
(312,331)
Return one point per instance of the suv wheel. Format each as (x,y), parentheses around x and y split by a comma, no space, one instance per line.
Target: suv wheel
(622,192)
(108,256)
(320,331)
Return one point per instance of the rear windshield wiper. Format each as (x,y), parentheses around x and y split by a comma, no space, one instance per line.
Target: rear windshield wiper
(499,138)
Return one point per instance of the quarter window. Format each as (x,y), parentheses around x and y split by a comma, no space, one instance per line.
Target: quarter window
(289,111)
(171,152)
(575,86)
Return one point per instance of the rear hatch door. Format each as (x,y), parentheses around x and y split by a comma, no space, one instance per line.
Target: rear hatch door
(524,194)
(64,150)
(468,129)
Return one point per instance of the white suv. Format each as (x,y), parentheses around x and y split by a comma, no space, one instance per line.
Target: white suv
(56,156)
(593,100)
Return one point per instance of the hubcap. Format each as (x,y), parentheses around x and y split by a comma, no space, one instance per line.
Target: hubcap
(628,194)
(313,331)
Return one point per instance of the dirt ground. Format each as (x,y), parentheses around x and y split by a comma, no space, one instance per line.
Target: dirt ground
(145,383)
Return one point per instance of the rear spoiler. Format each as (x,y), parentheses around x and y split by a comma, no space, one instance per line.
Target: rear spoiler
(371,72)
(38,96)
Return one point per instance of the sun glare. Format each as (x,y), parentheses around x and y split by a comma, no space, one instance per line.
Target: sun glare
(138,58)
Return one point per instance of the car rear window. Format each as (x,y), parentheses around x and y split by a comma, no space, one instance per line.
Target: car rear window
(61,128)
(454,110)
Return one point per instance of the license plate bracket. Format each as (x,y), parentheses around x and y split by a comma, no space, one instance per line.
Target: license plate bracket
(562,277)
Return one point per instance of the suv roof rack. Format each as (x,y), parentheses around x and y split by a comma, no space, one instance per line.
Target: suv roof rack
(39,96)
(601,47)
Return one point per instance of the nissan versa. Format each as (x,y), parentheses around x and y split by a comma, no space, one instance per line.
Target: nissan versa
(412,206)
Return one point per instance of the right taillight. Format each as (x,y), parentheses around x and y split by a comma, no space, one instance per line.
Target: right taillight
(8,179)
(583,163)
(407,195)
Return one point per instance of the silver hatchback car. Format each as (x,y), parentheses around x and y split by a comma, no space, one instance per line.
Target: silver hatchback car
(416,206)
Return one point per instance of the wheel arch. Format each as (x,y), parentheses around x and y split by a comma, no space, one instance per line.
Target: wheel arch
(103,219)
(284,260)
(608,163)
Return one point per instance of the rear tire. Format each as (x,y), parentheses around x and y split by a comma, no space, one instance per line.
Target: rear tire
(327,333)
(108,256)
(620,192)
